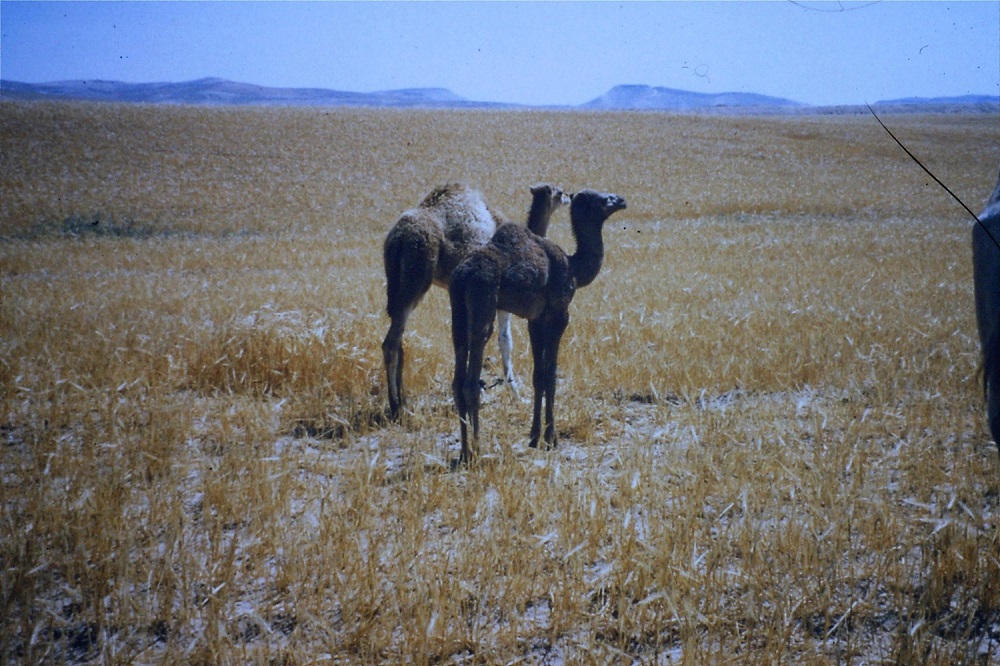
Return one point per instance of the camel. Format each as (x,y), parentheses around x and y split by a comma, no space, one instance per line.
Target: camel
(423,248)
(986,276)
(533,278)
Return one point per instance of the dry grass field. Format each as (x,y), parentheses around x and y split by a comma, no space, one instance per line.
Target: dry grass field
(772,448)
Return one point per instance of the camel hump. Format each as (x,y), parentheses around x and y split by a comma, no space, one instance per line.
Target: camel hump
(462,213)
(513,239)
(441,194)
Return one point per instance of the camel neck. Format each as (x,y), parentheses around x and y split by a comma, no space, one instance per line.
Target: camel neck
(538,219)
(585,263)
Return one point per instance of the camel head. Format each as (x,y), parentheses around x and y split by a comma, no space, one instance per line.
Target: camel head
(556,197)
(593,205)
(587,214)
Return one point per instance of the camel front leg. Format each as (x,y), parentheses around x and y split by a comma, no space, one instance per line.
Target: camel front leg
(536,333)
(555,327)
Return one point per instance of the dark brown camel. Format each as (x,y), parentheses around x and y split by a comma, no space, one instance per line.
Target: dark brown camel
(533,278)
(423,248)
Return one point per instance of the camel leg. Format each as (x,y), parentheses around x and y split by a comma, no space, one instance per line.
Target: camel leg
(506,347)
(472,394)
(545,334)
(478,317)
(993,409)
(471,328)
(392,354)
(991,384)
(554,331)
(536,333)
(408,276)
(458,391)
(460,340)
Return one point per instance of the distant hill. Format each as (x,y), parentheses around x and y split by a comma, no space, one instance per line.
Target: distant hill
(649,97)
(223,92)
(214,91)
(961,99)
(960,104)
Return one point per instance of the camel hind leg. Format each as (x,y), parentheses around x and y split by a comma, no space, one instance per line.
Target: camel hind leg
(472,312)
(408,278)
(472,391)
(458,392)
(392,355)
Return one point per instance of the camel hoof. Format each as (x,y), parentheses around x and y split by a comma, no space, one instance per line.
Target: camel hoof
(549,444)
(515,388)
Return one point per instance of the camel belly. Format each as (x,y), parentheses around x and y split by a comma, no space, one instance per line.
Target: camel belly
(525,305)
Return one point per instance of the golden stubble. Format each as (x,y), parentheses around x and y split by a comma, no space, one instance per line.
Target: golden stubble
(771,442)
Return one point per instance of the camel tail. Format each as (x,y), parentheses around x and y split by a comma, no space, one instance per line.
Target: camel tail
(456,294)
(390,256)
(408,275)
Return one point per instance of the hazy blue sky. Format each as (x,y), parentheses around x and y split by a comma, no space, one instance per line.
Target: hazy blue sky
(528,52)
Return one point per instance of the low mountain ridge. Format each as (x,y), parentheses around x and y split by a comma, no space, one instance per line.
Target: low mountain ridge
(221,92)
(215,91)
(960,99)
(650,97)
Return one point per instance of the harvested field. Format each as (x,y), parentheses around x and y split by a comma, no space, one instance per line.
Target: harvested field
(772,441)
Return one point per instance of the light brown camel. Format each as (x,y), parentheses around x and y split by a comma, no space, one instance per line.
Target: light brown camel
(545,200)
(423,248)
(986,277)
(532,277)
